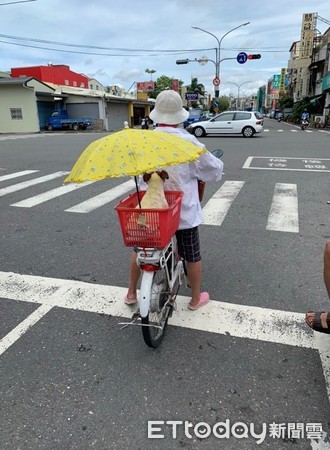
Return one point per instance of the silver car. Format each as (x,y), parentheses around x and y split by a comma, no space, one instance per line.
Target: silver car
(246,123)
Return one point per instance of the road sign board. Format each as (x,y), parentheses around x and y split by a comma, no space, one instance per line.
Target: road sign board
(191,96)
(216,104)
(216,81)
(242,57)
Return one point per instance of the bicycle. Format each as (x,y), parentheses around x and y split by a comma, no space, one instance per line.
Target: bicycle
(163,270)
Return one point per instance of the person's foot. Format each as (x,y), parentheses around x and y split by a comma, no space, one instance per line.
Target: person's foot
(203,300)
(318,321)
(130,299)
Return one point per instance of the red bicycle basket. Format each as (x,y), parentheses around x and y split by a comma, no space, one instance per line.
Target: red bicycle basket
(149,227)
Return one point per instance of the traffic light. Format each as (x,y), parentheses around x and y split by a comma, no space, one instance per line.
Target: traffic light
(254,56)
(182,61)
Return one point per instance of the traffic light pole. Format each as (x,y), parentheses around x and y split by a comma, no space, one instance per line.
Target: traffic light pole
(217,68)
(217,54)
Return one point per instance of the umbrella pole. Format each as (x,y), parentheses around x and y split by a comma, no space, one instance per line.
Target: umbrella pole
(137,190)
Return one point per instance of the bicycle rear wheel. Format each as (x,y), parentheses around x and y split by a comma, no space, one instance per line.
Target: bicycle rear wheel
(154,324)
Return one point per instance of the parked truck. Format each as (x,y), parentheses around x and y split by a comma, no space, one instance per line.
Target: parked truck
(59,120)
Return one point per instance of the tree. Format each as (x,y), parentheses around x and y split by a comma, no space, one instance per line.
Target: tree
(196,87)
(223,104)
(162,83)
(286,102)
(151,71)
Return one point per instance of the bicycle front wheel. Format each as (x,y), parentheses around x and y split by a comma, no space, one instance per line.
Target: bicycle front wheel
(154,324)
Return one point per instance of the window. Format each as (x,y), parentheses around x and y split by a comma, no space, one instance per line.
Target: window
(16,113)
(74,83)
(224,117)
(66,82)
(242,116)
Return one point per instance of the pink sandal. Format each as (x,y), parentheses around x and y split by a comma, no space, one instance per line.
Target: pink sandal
(204,298)
(130,301)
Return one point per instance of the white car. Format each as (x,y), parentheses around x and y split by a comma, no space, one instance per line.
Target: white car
(246,123)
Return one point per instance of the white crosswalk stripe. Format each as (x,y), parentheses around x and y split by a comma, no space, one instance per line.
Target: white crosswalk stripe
(216,209)
(283,215)
(25,184)
(102,199)
(17,174)
(49,195)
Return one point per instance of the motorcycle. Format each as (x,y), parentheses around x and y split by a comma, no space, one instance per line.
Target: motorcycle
(279,118)
(304,124)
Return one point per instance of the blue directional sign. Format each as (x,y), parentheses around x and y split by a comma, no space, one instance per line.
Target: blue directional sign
(216,104)
(242,58)
(191,96)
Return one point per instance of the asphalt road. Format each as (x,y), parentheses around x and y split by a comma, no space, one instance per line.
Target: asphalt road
(71,380)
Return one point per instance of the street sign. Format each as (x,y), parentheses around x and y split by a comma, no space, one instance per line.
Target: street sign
(216,81)
(191,96)
(242,57)
(216,104)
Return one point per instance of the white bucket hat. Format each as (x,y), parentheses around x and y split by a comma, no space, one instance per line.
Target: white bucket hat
(169,109)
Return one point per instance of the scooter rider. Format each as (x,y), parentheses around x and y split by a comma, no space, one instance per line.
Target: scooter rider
(305,115)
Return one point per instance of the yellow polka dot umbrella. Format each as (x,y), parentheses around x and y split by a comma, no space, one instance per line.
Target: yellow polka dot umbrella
(131,152)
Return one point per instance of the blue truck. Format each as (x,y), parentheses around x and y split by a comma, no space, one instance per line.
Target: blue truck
(59,120)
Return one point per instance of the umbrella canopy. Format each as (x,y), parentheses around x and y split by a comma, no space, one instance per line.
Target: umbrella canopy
(131,152)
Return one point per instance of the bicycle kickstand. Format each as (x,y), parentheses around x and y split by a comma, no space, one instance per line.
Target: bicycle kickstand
(135,317)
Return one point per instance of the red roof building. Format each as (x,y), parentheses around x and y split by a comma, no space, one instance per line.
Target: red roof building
(58,74)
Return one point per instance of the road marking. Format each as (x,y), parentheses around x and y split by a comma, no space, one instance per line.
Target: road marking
(16,174)
(216,209)
(250,322)
(283,214)
(294,131)
(310,162)
(23,327)
(102,199)
(280,131)
(49,195)
(25,184)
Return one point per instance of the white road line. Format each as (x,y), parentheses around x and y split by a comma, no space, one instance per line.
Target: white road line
(49,195)
(23,327)
(250,322)
(102,199)
(282,327)
(216,209)
(26,184)
(308,131)
(294,131)
(283,214)
(280,131)
(17,174)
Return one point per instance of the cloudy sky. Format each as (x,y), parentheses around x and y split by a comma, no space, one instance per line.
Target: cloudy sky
(115,41)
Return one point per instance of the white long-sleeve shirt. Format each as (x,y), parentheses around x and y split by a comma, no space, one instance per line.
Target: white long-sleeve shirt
(184,178)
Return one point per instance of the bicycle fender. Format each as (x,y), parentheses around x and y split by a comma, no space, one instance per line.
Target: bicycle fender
(145,293)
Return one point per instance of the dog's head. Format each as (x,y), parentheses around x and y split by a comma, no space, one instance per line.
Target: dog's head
(162,174)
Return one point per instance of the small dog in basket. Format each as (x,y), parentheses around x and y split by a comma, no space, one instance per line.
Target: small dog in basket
(154,198)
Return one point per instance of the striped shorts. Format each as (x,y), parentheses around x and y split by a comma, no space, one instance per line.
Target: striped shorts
(188,244)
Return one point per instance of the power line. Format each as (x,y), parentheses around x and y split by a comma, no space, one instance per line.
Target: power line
(90,53)
(65,44)
(20,1)
(123,49)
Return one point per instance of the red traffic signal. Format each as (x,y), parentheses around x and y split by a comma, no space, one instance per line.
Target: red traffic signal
(254,56)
